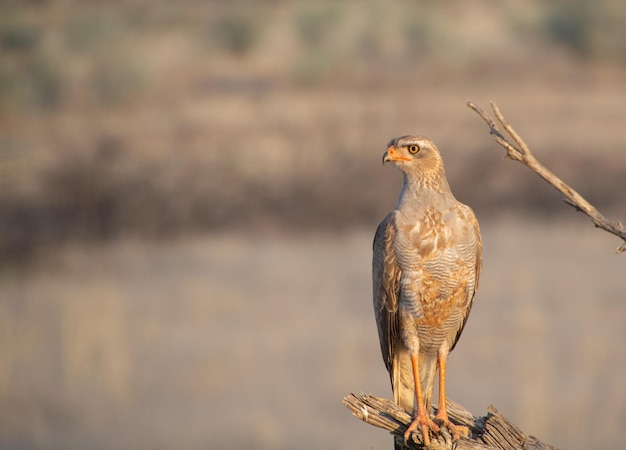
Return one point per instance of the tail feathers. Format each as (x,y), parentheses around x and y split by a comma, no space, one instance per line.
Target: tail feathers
(428,372)
(404,387)
(402,380)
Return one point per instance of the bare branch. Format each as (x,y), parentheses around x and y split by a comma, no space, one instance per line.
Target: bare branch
(519,151)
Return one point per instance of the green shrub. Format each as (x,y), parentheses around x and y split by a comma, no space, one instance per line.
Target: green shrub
(43,84)
(18,37)
(570,23)
(315,24)
(596,29)
(237,32)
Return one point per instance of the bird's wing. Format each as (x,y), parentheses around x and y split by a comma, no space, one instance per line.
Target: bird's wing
(386,285)
(475,251)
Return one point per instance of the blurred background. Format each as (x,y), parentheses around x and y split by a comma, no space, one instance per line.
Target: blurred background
(188,193)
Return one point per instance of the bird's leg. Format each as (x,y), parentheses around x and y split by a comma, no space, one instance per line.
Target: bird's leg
(422,418)
(442,413)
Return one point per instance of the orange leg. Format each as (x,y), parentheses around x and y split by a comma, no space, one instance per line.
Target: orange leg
(422,418)
(442,413)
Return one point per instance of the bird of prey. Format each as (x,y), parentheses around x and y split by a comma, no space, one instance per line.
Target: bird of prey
(425,269)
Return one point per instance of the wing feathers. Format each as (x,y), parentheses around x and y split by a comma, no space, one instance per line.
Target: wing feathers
(386,286)
(476,275)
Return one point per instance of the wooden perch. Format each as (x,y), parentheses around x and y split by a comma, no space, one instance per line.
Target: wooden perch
(490,432)
(519,151)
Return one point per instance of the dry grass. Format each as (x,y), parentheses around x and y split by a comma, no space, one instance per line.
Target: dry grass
(232,341)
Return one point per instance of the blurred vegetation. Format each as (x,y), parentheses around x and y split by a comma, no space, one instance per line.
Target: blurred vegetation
(46,65)
(593,29)
(156,118)
(29,77)
(93,48)
(238,32)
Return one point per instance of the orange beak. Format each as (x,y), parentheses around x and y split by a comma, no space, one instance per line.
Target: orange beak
(392,154)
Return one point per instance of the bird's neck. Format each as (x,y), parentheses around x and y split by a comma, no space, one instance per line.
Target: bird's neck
(434,181)
(419,190)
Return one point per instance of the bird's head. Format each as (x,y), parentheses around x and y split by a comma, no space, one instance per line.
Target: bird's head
(416,156)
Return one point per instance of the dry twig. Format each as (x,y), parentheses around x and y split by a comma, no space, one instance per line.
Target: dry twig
(519,151)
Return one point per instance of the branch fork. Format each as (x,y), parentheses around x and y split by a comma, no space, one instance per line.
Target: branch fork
(517,150)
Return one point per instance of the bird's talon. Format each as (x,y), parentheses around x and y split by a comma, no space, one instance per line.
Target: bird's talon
(425,425)
(456,430)
(447,437)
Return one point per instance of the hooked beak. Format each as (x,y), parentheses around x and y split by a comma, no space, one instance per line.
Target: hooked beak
(392,154)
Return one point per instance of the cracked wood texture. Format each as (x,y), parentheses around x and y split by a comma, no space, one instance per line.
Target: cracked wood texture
(490,432)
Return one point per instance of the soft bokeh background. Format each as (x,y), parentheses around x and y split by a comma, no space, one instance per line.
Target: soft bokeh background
(188,196)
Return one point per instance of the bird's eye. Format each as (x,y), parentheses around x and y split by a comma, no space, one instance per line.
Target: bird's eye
(414,149)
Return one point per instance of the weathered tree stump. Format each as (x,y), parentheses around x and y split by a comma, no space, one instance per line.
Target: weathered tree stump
(493,431)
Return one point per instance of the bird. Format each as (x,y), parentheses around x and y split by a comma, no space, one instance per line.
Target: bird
(427,258)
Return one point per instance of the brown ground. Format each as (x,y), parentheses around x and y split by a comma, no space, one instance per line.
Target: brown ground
(239,341)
